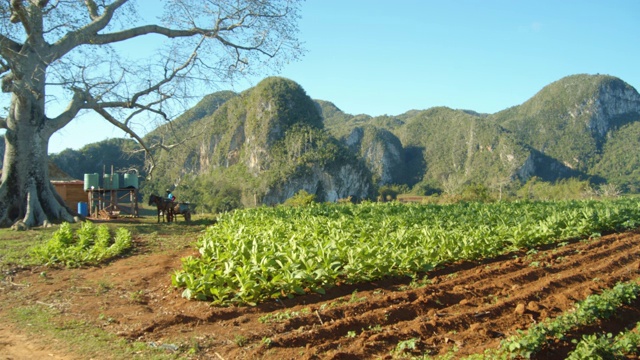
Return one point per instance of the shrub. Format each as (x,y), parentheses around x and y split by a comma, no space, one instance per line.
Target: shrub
(301,198)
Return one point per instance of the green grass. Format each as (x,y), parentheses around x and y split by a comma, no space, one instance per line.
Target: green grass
(158,237)
(14,244)
(81,338)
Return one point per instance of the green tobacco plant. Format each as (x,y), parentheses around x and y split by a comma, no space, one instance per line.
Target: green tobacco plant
(89,245)
(258,254)
(587,312)
(607,346)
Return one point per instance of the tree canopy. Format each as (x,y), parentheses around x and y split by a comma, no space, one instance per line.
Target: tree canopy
(69,53)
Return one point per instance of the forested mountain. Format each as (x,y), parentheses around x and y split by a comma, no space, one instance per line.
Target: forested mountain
(261,147)
(123,154)
(267,143)
(582,126)
(571,119)
(619,163)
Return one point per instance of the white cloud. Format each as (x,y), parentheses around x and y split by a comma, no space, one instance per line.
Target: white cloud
(536,26)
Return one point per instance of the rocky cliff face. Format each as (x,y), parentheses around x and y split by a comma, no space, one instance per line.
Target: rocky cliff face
(339,183)
(613,100)
(382,151)
(570,119)
(269,143)
(544,167)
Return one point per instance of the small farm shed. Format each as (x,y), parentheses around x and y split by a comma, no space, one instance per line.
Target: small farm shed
(71,191)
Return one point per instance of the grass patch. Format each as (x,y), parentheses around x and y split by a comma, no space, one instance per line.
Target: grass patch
(156,237)
(81,338)
(15,244)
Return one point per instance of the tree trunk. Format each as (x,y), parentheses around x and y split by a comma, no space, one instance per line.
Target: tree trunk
(27,197)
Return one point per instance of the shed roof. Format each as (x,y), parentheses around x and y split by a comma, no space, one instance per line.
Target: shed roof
(56,174)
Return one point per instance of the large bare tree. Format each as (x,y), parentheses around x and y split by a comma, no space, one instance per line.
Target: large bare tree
(73,52)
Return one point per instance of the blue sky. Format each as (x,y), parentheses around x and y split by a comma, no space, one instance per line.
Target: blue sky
(380,57)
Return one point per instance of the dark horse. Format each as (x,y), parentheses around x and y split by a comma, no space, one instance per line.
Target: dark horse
(181,209)
(164,205)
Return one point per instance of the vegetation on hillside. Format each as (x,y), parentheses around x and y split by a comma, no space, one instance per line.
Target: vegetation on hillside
(235,148)
(255,142)
(558,120)
(459,149)
(124,155)
(620,160)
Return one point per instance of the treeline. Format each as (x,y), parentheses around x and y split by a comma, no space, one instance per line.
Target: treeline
(577,138)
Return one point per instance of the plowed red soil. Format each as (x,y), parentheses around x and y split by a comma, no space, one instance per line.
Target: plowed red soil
(467,306)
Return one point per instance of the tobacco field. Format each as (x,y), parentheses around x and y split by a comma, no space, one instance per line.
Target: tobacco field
(541,280)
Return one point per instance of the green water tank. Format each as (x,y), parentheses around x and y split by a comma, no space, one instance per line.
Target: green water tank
(106,181)
(91,180)
(115,181)
(131,181)
(111,181)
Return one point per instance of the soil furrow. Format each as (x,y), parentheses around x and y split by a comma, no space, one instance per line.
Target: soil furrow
(469,306)
(459,310)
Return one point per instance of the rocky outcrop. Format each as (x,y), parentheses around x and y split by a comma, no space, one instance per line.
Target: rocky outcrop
(545,168)
(571,119)
(527,169)
(613,100)
(382,152)
(269,143)
(327,184)
(272,141)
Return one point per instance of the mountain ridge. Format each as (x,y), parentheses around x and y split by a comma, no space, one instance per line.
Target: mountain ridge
(574,127)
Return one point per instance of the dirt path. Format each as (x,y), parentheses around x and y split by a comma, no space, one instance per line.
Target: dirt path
(467,306)
(15,345)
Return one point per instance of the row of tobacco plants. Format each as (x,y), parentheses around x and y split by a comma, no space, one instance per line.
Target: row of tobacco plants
(89,245)
(258,254)
(526,344)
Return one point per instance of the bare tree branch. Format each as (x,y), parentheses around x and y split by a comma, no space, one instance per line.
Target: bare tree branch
(75,105)
(248,48)
(93,9)
(89,33)
(85,34)
(171,75)
(149,107)
(9,49)
(131,133)
(4,67)
(51,8)
(162,145)
(110,38)
(82,99)
(18,13)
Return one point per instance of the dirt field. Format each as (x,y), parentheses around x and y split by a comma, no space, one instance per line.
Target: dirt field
(466,306)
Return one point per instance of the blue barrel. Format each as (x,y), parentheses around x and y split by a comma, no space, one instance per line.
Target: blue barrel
(83,209)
